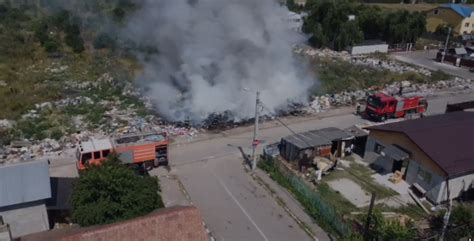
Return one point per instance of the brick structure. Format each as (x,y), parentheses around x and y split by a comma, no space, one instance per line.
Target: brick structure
(180,223)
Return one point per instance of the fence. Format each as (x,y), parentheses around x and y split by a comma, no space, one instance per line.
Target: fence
(317,208)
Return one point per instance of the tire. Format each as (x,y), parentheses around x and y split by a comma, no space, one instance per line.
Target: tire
(148,165)
(156,163)
(383,118)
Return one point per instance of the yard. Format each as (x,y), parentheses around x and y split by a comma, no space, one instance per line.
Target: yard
(348,189)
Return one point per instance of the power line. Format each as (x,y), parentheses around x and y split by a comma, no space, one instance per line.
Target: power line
(399,201)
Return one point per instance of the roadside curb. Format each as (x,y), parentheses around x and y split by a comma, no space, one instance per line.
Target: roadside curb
(281,203)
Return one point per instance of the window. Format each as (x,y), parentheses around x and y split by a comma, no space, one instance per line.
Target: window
(97,155)
(436,11)
(378,148)
(105,153)
(86,157)
(424,176)
(466,25)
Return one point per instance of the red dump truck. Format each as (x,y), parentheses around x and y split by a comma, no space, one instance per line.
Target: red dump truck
(381,106)
(147,150)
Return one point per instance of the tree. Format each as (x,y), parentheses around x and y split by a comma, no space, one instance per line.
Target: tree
(51,46)
(112,192)
(104,41)
(73,38)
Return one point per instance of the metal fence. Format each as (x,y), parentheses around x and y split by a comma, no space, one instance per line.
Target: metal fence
(318,208)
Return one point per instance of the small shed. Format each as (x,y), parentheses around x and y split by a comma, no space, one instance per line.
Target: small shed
(323,142)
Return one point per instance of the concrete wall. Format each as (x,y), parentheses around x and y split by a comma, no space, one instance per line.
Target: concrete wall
(444,16)
(456,185)
(367,49)
(25,218)
(432,187)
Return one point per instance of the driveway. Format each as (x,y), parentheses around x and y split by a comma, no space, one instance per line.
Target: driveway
(425,59)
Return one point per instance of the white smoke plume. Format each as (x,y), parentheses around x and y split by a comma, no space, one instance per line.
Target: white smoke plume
(209,51)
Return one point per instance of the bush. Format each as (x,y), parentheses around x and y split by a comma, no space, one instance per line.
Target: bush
(51,46)
(112,192)
(104,41)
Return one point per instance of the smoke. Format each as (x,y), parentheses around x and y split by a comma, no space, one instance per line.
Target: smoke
(210,51)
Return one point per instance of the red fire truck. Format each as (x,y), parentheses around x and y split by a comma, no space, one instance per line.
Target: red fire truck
(381,106)
(146,150)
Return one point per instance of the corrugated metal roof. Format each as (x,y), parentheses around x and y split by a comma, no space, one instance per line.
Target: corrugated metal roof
(461,9)
(447,139)
(316,137)
(24,182)
(96,145)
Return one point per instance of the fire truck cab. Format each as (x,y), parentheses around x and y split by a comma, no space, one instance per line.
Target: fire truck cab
(142,149)
(381,106)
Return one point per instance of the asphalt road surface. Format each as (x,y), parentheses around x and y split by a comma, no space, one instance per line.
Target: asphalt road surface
(233,205)
(426,59)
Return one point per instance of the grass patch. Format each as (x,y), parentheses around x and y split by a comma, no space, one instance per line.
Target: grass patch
(361,175)
(339,75)
(327,215)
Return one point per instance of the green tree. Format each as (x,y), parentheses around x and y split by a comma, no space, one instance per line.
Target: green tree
(51,46)
(112,192)
(104,41)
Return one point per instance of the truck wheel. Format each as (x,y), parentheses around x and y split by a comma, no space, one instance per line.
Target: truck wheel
(156,163)
(383,118)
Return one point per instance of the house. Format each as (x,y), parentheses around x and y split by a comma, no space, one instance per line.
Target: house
(458,16)
(323,142)
(174,223)
(431,153)
(24,189)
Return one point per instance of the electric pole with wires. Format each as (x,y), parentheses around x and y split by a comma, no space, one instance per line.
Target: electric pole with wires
(448,212)
(255,141)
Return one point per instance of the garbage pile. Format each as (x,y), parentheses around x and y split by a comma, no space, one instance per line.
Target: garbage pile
(346,98)
(394,66)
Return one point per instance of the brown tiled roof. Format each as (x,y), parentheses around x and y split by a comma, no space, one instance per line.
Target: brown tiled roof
(182,223)
(447,139)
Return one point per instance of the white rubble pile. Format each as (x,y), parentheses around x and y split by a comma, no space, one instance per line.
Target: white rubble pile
(325,102)
(394,66)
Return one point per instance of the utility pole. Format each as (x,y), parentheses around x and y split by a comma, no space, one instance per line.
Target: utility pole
(369,215)
(446,45)
(448,212)
(255,132)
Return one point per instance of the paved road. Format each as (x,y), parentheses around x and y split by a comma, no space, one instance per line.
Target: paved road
(233,206)
(426,59)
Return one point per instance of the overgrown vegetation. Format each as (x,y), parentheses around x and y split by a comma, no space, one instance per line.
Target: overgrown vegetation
(330,24)
(461,222)
(339,75)
(328,214)
(382,229)
(112,192)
